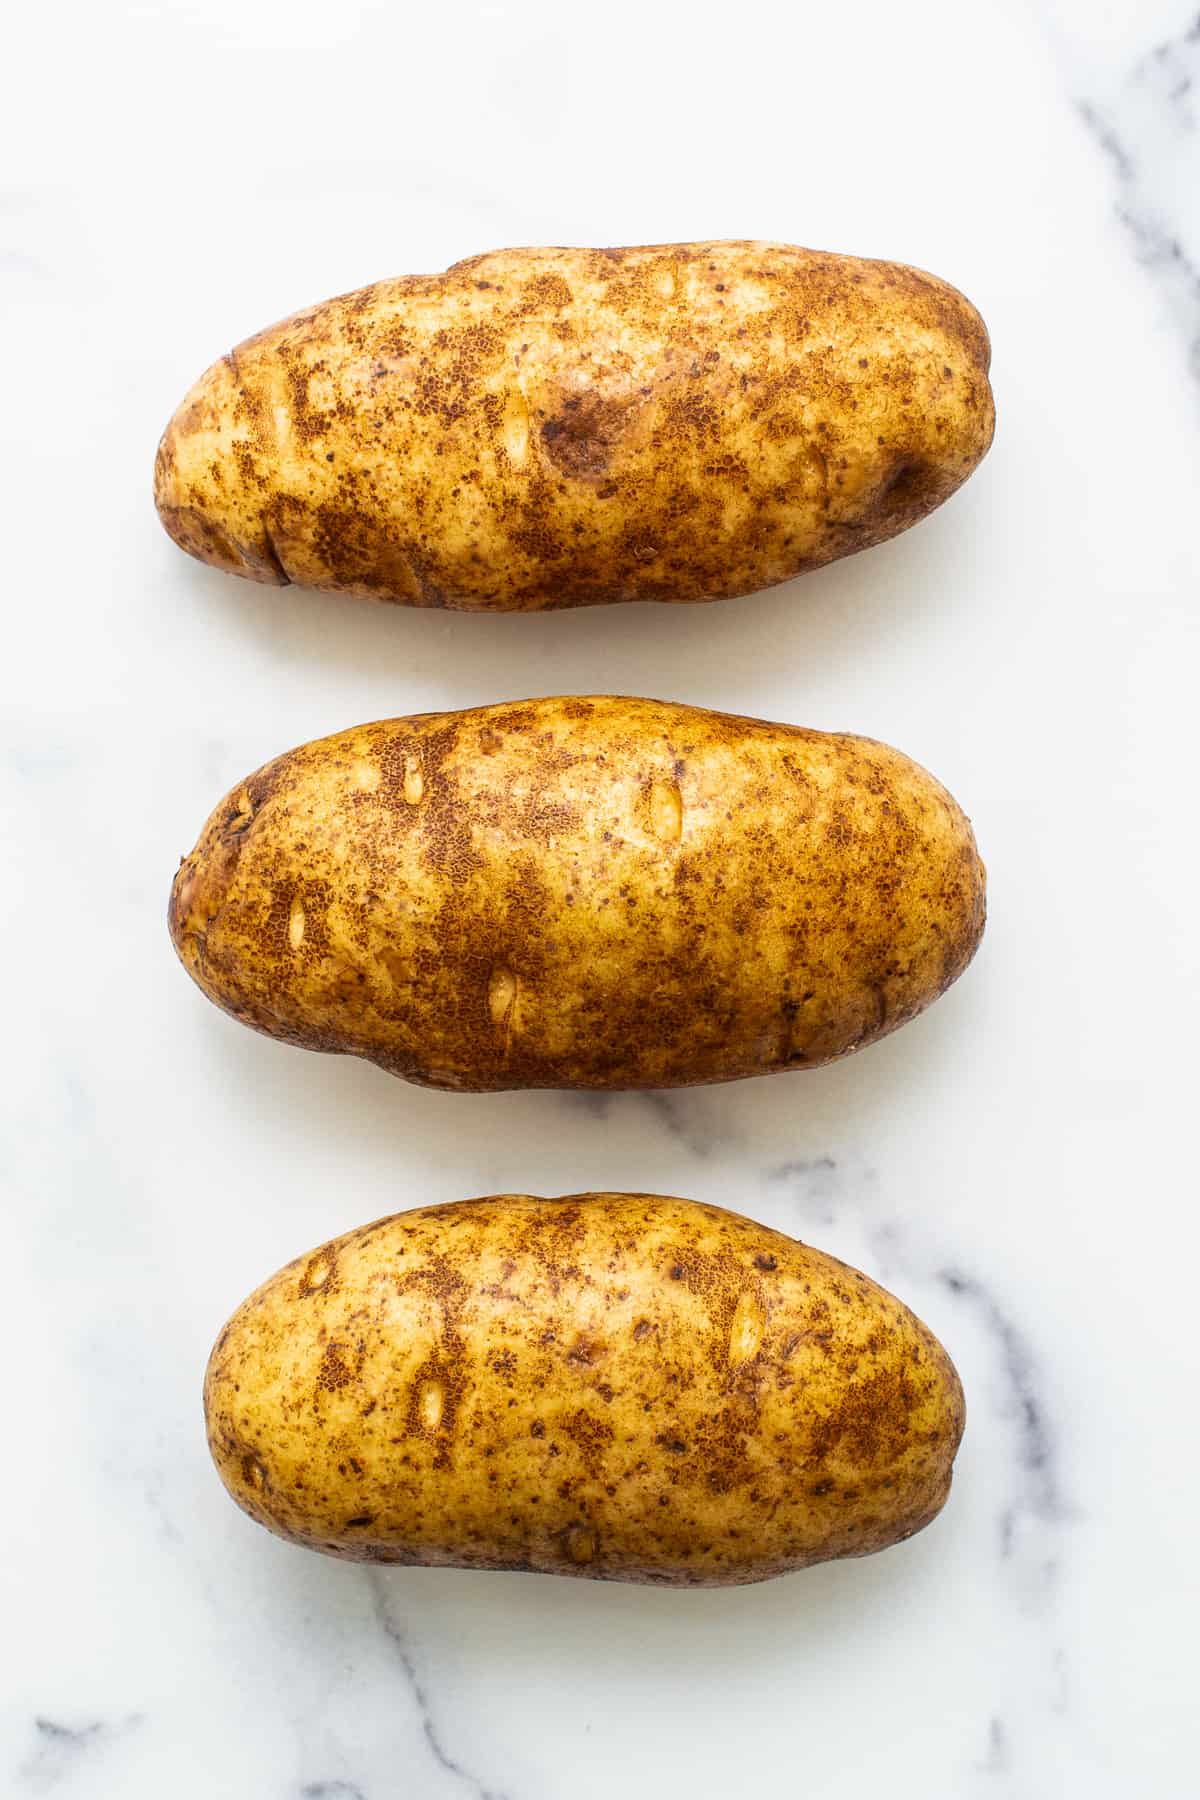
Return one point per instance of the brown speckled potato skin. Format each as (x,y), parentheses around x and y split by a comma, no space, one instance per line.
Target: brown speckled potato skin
(581,892)
(557,427)
(623,1386)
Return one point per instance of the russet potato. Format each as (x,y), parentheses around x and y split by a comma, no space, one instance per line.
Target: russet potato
(624,1386)
(559,427)
(581,892)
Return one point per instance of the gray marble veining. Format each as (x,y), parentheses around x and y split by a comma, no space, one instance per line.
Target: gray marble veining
(1145,122)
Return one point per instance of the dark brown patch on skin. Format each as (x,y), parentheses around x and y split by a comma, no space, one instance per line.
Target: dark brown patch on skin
(581,438)
(367,557)
(827,1427)
(586,892)
(590,1434)
(868,1424)
(550,427)
(545,291)
(334,1372)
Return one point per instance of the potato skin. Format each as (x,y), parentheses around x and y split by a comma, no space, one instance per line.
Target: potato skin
(564,427)
(581,892)
(624,1386)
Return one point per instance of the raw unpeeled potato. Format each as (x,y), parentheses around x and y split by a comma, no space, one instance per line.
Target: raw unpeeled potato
(581,892)
(555,427)
(624,1386)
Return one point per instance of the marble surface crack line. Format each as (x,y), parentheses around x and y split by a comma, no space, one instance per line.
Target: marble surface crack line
(1107,139)
(60,1748)
(432,1735)
(998,1757)
(1146,127)
(1036,1445)
(677,1114)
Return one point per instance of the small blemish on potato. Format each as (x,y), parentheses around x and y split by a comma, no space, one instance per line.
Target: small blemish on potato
(253,1474)
(242,816)
(502,994)
(366,776)
(666,811)
(192,946)
(745,1333)
(318,1272)
(431,1402)
(516,433)
(581,1544)
(414,781)
(296,924)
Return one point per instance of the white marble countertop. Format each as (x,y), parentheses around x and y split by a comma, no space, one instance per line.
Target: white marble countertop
(1014,1163)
